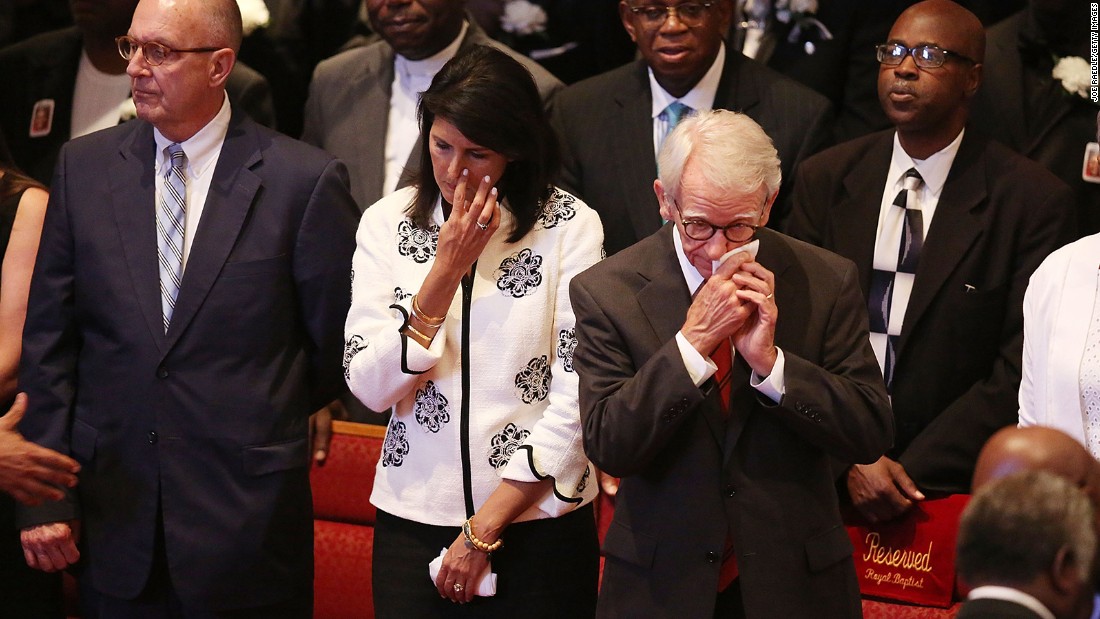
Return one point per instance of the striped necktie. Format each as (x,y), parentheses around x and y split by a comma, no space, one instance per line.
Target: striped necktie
(672,115)
(170,214)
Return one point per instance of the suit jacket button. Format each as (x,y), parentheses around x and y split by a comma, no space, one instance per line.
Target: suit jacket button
(712,557)
(162,372)
(152,438)
(730,491)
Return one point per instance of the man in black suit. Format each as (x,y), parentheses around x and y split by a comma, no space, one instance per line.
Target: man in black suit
(719,393)
(74,81)
(944,254)
(1027,547)
(1022,104)
(611,125)
(185,318)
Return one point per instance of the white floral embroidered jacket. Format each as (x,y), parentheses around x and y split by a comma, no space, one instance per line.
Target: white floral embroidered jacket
(495,396)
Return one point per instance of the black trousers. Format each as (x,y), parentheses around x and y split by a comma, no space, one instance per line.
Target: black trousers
(545,569)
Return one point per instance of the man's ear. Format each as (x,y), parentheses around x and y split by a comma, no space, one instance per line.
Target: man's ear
(767,211)
(666,206)
(626,16)
(1065,574)
(221,64)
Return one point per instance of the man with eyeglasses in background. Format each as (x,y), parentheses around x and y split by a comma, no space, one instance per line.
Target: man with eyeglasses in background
(185,318)
(612,125)
(720,392)
(946,227)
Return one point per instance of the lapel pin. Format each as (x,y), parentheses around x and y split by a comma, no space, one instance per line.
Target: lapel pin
(42,118)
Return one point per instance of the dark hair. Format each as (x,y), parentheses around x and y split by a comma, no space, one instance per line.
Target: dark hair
(492,100)
(12,180)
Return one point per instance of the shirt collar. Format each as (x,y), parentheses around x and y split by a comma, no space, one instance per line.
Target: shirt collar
(992,592)
(933,170)
(428,67)
(202,147)
(700,97)
(691,274)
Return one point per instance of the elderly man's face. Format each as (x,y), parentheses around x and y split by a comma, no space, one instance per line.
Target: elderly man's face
(679,49)
(170,95)
(416,29)
(700,201)
(928,99)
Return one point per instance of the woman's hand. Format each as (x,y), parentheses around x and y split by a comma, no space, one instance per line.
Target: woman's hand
(469,227)
(461,572)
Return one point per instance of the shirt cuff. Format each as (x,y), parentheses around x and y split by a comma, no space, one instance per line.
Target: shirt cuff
(699,368)
(773,386)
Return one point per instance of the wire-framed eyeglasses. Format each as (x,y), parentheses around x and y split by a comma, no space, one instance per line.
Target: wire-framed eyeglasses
(155,53)
(690,14)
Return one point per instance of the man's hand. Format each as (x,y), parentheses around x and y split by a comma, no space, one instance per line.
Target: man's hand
(882,491)
(716,312)
(755,340)
(29,472)
(609,484)
(51,547)
(320,429)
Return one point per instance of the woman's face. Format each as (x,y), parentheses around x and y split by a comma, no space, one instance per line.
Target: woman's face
(451,153)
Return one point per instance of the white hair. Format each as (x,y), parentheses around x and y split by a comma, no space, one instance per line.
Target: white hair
(729,149)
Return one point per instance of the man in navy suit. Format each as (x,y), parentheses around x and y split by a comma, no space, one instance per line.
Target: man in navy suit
(185,318)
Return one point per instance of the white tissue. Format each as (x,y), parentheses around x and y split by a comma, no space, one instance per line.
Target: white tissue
(486,588)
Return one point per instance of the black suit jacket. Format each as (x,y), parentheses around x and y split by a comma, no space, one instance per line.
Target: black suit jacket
(986,608)
(689,477)
(45,67)
(606,129)
(957,371)
(1053,129)
(205,425)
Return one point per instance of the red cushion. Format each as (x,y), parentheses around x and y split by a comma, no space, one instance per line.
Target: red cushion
(876,609)
(342,487)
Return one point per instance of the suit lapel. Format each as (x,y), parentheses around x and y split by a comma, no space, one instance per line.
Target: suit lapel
(370,149)
(55,79)
(134,208)
(1004,85)
(958,222)
(856,217)
(228,202)
(634,133)
(738,89)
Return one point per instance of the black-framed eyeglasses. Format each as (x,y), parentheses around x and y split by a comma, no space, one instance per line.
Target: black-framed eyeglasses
(155,53)
(690,14)
(701,230)
(924,56)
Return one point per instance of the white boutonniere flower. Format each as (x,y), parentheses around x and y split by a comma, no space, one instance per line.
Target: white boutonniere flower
(1075,74)
(523,18)
(254,15)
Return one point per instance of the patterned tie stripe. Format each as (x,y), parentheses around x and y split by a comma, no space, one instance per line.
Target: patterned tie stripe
(672,115)
(170,226)
(893,274)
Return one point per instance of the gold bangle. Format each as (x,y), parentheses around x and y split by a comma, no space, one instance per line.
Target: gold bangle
(427,340)
(425,324)
(432,321)
(468,531)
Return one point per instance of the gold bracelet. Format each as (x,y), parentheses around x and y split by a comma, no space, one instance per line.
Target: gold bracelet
(425,324)
(468,531)
(431,321)
(427,340)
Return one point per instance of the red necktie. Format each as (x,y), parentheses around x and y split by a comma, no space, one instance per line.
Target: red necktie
(723,358)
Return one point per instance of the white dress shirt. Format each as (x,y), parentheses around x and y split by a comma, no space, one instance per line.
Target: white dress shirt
(96,98)
(202,150)
(991,592)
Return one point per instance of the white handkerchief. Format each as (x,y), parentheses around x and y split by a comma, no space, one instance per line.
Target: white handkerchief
(486,588)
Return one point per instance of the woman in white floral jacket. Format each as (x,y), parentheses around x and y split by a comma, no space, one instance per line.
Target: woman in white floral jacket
(460,322)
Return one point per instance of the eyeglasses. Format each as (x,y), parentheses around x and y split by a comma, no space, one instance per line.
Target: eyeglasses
(690,14)
(924,56)
(699,230)
(155,53)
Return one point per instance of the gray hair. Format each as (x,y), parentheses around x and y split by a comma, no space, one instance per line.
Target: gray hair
(1013,529)
(729,149)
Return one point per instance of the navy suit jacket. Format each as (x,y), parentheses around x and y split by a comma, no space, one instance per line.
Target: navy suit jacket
(204,426)
(689,477)
(957,367)
(606,128)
